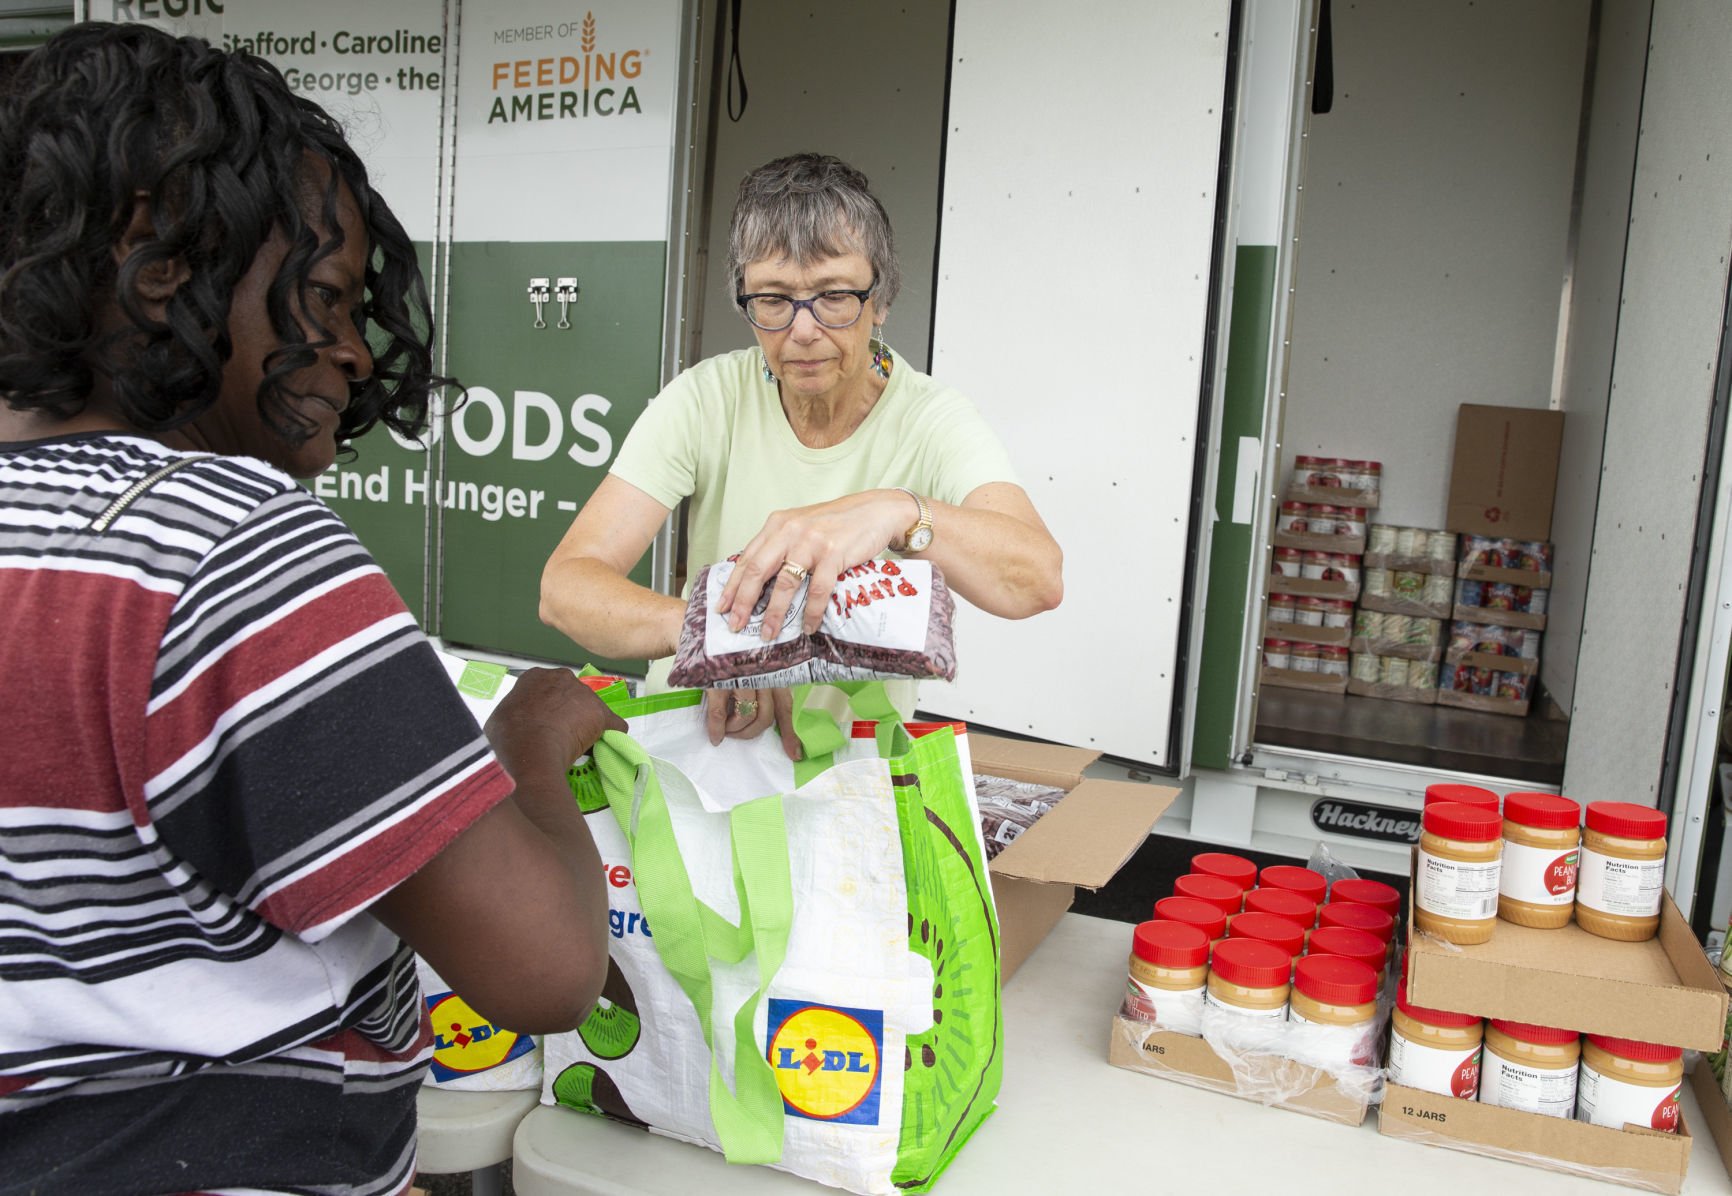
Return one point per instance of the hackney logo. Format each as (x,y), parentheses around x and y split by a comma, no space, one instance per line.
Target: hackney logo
(1362,820)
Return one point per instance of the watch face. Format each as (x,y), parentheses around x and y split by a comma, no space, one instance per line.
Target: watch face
(919,538)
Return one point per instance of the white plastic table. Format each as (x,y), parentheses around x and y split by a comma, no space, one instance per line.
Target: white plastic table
(1068,1122)
(470,1132)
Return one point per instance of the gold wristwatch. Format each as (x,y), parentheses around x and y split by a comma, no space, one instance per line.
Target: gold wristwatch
(919,537)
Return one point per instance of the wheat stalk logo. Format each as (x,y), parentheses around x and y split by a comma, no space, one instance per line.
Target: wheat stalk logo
(588,32)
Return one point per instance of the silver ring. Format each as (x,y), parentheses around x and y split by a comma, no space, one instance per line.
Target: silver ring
(798,574)
(746,708)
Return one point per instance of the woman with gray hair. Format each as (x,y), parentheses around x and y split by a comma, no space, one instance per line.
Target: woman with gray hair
(815,451)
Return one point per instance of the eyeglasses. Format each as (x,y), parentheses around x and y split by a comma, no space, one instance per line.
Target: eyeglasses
(832,309)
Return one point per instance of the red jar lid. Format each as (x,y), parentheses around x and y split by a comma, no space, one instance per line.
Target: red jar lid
(1368,918)
(1353,944)
(1227,866)
(1626,820)
(1335,980)
(1207,918)
(1362,891)
(1540,1035)
(1170,945)
(1546,811)
(1300,880)
(1283,903)
(1224,895)
(1306,462)
(1467,795)
(1251,962)
(1470,824)
(1432,1017)
(1268,928)
(1629,1048)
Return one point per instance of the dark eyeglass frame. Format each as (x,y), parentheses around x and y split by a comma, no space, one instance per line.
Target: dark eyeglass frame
(745,302)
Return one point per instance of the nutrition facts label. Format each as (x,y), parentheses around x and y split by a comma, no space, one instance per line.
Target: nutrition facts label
(1630,888)
(1514,1086)
(1453,889)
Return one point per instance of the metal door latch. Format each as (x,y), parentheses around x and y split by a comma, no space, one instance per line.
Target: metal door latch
(565,290)
(538,296)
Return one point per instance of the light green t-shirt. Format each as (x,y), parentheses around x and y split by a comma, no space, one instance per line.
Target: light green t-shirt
(717,434)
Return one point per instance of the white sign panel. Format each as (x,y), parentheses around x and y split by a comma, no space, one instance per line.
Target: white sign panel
(586,93)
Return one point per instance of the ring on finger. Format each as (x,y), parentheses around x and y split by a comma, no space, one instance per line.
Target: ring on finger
(795,571)
(746,708)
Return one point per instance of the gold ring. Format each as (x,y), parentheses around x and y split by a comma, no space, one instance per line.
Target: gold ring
(798,574)
(746,708)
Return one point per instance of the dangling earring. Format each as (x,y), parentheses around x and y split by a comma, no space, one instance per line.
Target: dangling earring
(768,376)
(882,362)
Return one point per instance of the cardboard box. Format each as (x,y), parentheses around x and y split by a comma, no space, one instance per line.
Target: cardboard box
(1305,633)
(1515,577)
(1315,587)
(1081,842)
(1320,542)
(1505,473)
(1663,990)
(1404,604)
(1136,1046)
(1497,618)
(1323,683)
(1341,496)
(1716,1114)
(1635,1157)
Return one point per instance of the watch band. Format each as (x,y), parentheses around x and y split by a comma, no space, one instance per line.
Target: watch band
(923,522)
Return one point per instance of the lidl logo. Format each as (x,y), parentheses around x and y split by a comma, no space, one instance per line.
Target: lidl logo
(464,1042)
(828,1060)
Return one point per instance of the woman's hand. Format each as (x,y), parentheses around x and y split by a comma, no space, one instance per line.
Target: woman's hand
(748,713)
(812,544)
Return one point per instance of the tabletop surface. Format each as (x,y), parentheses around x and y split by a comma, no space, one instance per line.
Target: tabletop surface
(1067,1121)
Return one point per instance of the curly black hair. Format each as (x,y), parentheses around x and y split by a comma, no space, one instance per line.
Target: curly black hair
(225,154)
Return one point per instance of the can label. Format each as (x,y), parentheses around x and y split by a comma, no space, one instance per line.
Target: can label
(1609,1101)
(1447,1073)
(1549,1091)
(1539,875)
(1627,888)
(1454,889)
(1180,1011)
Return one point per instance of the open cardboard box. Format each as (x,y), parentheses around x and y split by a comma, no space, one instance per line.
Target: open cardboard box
(1137,1046)
(1635,1157)
(1663,990)
(1716,1114)
(1081,842)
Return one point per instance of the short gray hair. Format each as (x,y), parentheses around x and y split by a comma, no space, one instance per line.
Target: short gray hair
(809,207)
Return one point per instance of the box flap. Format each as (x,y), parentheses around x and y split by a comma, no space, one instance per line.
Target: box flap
(1088,836)
(1025,760)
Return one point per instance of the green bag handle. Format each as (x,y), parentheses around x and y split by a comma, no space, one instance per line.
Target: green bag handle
(820,737)
(688,934)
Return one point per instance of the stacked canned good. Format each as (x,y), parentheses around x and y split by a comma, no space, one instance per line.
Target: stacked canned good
(1492,659)
(1322,519)
(1410,570)
(1338,473)
(1395,656)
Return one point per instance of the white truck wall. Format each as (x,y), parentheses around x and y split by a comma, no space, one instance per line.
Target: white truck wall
(1614,109)
(1432,239)
(1669,332)
(876,103)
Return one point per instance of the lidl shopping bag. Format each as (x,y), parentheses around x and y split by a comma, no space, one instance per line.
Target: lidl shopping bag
(804,961)
(470,1053)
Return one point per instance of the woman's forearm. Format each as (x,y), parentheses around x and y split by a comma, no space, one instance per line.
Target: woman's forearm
(605,612)
(1000,563)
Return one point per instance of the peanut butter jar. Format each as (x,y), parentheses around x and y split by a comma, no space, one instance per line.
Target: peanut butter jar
(1623,871)
(1625,1082)
(1460,858)
(1330,990)
(1531,1068)
(1467,795)
(1168,971)
(1249,978)
(1434,1050)
(1227,866)
(1541,855)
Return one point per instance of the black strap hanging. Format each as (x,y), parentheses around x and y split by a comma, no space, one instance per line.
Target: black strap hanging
(1323,79)
(735,70)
